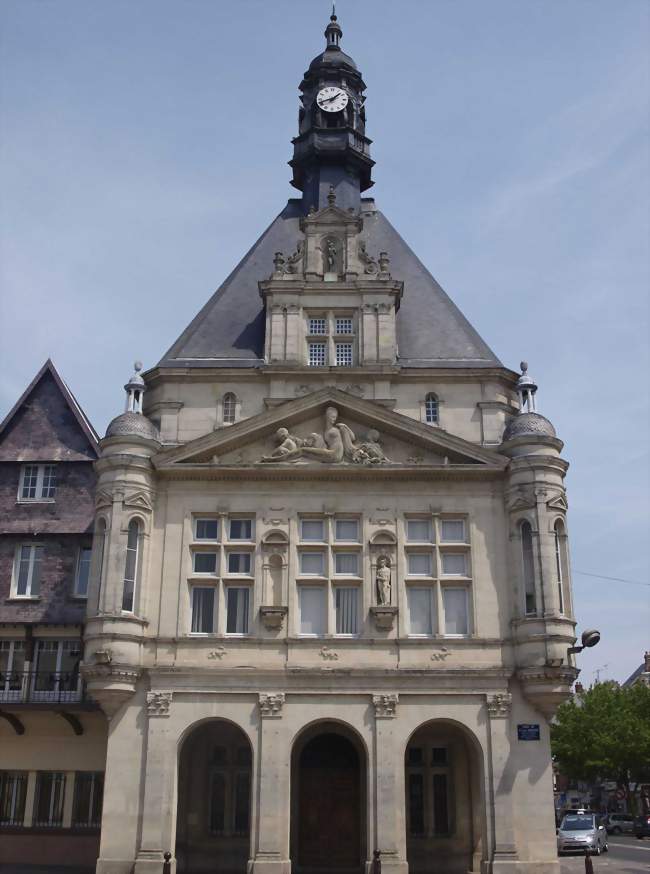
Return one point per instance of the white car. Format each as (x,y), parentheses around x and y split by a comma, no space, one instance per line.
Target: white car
(580,832)
(619,823)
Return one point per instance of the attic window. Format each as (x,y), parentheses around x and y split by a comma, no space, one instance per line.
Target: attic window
(229,408)
(37,482)
(431,409)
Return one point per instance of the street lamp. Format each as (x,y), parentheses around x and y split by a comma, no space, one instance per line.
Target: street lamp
(589,638)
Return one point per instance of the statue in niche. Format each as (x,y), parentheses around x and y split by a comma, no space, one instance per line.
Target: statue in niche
(383,581)
(336,444)
(332,256)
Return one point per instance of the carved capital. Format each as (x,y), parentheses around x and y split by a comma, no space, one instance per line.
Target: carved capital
(499,705)
(385,705)
(158,703)
(273,617)
(271,704)
(384,616)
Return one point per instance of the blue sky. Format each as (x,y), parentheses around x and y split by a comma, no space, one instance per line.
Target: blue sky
(144,148)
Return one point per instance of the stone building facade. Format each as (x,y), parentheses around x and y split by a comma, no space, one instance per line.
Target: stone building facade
(52,738)
(330,601)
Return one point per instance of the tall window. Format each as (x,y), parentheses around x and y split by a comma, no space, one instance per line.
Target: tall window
(12,665)
(13,791)
(132,566)
(431,409)
(317,354)
(82,574)
(229,408)
(562,566)
(427,776)
(27,570)
(237,607)
(56,675)
(87,803)
(37,482)
(229,800)
(203,609)
(100,541)
(329,563)
(48,801)
(528,568)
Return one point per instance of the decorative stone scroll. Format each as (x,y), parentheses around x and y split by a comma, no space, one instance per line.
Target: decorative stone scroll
(271,704)
(217,653)
(328,654)
(158,703)
(336,445)
(499,705)
(385,705)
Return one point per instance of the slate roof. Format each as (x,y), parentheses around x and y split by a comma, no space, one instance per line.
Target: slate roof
(229,330)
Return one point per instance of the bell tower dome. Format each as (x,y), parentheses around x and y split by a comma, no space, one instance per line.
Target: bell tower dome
(332,151)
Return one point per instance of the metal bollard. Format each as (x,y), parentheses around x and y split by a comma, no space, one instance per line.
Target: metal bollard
(376,862)
(589,865)
(167,865)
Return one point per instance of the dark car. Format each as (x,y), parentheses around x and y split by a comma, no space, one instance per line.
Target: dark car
(642,826)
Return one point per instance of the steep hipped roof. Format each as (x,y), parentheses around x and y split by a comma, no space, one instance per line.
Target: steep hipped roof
(57,412)
(229,330)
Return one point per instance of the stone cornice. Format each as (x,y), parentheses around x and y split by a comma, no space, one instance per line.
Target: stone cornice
(331,473)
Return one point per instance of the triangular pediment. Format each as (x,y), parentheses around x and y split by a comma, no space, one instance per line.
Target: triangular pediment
(332,215)
(360,434)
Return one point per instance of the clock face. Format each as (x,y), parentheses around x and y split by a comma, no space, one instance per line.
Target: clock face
(332,99)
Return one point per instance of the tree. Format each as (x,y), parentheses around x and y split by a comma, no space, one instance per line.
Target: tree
(604,734)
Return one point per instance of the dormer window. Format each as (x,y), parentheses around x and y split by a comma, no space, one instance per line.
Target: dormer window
(431,409)
(37,482)
(229,408)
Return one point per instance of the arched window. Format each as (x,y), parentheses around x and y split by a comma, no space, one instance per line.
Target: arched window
(229,408)
(132,566)
(431,409)
(562,566)
(528,567)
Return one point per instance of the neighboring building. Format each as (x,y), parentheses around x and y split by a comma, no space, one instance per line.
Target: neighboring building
(52,738)
(331,575)
(642,673)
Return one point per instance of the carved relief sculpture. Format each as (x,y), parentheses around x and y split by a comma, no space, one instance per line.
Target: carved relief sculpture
(385,705)
(370,264)
(271,704)
(158,703)
(335,445)
(499,705)
(383,581)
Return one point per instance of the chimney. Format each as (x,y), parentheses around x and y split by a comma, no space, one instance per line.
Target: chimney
(647,662)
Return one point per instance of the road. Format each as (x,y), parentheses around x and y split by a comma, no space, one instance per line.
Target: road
(627,855)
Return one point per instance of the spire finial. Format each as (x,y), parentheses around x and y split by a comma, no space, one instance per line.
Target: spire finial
(134,389)
(333,32)
(526,389)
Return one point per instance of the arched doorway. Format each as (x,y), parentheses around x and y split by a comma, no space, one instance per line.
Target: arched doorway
(445,815)
(214,800)
(328,806)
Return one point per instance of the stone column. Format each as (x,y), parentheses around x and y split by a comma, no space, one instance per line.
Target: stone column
(272,844)
(157,810)
(390,831)
(504,854)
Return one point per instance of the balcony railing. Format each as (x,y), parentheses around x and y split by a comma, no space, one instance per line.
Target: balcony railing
(40,687)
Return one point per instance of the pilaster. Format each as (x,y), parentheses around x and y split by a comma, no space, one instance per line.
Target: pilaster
(390,827)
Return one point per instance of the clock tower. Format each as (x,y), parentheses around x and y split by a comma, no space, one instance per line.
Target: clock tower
(332,149)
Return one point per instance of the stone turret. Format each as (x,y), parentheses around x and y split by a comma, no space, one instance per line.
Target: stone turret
(124,507)
(543,623)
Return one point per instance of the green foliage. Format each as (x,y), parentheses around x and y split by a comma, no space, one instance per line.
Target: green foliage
(604,734)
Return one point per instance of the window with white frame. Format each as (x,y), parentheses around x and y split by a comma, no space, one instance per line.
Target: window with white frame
(528,568)
(431,409)
(56,670)
(37,482)
(28,564)
(347,609)
(87,799)
(12,666)
(204,603)
(313,610)
(329,548)
(220,602)
(437,556)
(331,339)
(237,609)
(317,354)
(82,574)
(206,529)
(131,566)
(48,800)
(13,793)
(229,408)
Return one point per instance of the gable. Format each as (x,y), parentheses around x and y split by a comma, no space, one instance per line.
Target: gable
(327,429)
(45,426)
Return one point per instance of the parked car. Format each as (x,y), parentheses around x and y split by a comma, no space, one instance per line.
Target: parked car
(642,826)
(617,823)
(580,831)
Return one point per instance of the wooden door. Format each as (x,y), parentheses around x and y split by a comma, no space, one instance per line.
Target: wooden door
(329,806)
